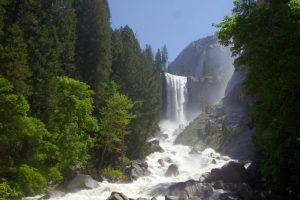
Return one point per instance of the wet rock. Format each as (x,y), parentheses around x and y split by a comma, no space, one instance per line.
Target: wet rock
(81,181)
(154,198)
(169,160)
(189,189)
(214,161)
(196,150)
(137,169)
(153,146)
(167,197)
(172,170)
(163,136)
(161,162)
(231,172)
(229,196)
(140,198)
(117,196)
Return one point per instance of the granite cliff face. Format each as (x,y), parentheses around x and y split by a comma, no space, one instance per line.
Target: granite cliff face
(225,126)
(203,53)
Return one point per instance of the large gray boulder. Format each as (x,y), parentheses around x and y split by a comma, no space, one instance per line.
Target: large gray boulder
(137,169)
(190,189)
(81,181)
(153,146)
(232,172)
(117,196)
(172,170)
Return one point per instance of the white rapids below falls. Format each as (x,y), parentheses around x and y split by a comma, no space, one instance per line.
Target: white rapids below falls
(191,166)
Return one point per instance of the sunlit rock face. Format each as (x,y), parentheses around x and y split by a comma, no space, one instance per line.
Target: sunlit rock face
(205,53)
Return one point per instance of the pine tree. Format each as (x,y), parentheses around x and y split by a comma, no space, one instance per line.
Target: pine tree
(13,59)
(158,61)
(93,46)
(164,58)
(137,76)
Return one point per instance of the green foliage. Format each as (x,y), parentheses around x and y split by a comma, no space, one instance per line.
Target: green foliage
(48,125)
(71,122)
(22,139)
(114,125)
(114,175)
(30,180)
(266,39)
(5,190)
(13,59)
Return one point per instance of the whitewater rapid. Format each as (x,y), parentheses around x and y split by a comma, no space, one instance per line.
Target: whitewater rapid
(191,166)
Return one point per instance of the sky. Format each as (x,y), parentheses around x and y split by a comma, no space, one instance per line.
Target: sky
(175,23)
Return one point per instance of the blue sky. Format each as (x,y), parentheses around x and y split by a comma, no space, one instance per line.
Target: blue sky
(175,23)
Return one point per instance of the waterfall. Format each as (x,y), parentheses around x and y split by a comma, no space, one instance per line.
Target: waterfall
(176,97)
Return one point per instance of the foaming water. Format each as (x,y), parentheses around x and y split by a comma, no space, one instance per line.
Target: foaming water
(191,166)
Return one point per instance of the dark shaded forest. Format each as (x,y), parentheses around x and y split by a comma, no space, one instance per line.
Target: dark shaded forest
(265,38)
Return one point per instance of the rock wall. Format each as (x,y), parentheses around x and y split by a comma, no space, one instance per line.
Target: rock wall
(203,92)
(205,52)
(225,126)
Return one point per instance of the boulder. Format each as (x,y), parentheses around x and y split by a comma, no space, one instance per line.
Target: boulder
(153,146)
(195,150)
(117,196)
(81,181)
(137,169)
(172,170)
(161,162)
(229,196)
(167,197)
(232,172)
(167,159)
(189,189)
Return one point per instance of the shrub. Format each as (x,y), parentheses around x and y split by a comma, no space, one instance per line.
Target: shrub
(30,180)
(113,175)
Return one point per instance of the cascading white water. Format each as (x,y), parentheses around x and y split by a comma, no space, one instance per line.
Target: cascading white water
(176,92)
(191,166)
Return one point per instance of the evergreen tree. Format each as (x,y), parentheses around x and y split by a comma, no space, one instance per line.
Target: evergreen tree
(183,70)
(158,61)
(13,59)
(134,71)
(164,58)
(93,46)
(114,126)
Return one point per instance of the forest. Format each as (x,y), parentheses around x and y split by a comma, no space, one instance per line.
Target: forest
(265,38)
(75,94)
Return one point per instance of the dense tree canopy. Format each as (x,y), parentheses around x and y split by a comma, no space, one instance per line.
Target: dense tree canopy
(266,40)
(51,124)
